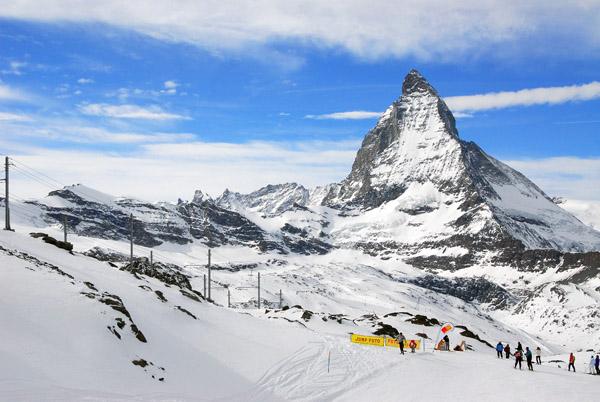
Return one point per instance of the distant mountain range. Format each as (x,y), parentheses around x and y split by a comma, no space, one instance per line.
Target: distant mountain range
(416,193)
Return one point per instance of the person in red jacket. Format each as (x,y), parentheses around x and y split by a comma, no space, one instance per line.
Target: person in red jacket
(572,362)
(507,350)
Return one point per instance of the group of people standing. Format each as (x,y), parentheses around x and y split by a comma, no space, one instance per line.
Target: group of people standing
(593,367)
(519,354)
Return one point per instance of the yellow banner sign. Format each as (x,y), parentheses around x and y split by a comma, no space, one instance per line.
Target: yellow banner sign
(367,340)
(382,341)
(395,344)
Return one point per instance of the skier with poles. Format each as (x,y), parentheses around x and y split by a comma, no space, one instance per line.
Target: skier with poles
(401,338)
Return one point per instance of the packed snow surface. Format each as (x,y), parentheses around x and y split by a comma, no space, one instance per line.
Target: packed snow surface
(63,341)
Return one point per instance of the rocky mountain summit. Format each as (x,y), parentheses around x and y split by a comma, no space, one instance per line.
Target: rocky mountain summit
(415,191)
(466,224)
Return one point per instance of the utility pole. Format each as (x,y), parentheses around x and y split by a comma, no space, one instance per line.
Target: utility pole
(131,243)
(280,299)
(151,262)
(259,290)
(228,298)
(6,208)
(208,274)
(204,286)
(65,227)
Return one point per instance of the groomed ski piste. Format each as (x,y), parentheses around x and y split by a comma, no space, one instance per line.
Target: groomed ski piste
(74,328)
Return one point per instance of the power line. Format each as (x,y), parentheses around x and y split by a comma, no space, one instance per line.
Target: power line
(47,183)
(31,176)
(37,172)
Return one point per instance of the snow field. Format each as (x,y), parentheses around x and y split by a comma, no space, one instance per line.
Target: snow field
(57,344)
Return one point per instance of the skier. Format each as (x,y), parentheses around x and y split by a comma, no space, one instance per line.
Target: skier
(597,364)
(401,338)
(518,357)
(572,362)
(447,341)
(507,350)
(591,366)
(538,355)
(529,356)
(412,345)
(499,349)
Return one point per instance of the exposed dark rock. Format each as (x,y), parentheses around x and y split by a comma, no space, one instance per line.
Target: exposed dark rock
(471,290)
(423,320)
(307,315)
(386,329)
(51,240)
(169,274)
(469,334)
(186,311)
(115,302)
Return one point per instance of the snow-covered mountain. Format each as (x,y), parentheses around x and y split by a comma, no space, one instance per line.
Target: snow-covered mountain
(425,228)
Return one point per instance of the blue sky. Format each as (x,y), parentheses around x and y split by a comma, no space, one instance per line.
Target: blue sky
(156,99)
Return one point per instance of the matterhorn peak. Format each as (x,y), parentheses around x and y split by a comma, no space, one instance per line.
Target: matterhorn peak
(415,83)
(415,140)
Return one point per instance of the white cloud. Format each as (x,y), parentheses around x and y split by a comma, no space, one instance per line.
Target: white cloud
(85,81)
(15,67)
(128,112)
(570,177)
(355,115)
(171,84)
(183,168)
(8,93)
(525,97)
(426,29)
(13,117)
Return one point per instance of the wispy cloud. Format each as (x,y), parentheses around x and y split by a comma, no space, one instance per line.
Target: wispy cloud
(578,122)
(429,28)
(170,88)
(15,68)
(353,115)
(570,177)
(129,112)
(10,94)
(183,168)
(85,81)
(525,97)
(13,117)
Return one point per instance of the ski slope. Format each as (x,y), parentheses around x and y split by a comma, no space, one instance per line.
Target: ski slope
(59,341)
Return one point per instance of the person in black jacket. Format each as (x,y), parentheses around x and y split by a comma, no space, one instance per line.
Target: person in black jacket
(518,357)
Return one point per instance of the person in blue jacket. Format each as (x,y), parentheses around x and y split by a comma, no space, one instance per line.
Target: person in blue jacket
(499,349)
